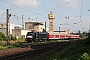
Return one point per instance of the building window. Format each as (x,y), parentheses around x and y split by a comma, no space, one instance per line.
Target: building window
(23,36)
(2,25)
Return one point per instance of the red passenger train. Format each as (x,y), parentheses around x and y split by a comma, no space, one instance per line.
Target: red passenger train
(38,36)
(62,36)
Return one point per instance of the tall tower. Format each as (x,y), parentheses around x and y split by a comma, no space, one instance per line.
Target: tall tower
(51,17)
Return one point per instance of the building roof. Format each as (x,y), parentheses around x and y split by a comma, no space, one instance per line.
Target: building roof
(2,23)
(59,31)
(38,23)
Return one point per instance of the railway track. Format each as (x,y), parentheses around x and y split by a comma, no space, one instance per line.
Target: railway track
(37,51)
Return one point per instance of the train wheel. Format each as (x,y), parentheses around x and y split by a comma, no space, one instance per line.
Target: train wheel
(45,40)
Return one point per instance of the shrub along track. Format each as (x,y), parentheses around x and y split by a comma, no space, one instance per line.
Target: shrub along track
(32,52)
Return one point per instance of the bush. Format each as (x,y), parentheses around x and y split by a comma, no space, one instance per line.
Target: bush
(21,40)
(85,56)
(13,38)
(88,40)
(2,36)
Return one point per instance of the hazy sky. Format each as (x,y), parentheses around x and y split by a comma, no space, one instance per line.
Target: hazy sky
(72,14)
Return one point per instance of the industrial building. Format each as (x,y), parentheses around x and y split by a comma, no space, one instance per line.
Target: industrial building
(16,30)
(3,28)
(34,26)
(29,26)
(18,33)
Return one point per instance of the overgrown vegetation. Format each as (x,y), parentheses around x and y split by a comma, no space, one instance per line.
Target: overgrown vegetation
(2,36)
(76,51)
(14,46)
(13,38)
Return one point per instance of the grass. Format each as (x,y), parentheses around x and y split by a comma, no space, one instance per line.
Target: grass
(13,46)
(6,47)
(76,51)
(18,43)
(51,41)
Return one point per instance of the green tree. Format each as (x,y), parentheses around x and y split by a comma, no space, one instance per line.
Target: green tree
(88,40)
(78,31)
(13,38)
(2,36)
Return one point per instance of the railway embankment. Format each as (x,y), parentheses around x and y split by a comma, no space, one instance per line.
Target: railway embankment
(79,50)
(33,51)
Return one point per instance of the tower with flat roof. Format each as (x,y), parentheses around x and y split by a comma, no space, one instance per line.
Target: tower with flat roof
(51,25)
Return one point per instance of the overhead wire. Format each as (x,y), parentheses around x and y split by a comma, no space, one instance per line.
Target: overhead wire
(60,9)
(74,16)
(22,8)
(29,10)
(52,9)
(45,8)
(16,6)
(80,14)
(19,8)
(56,12)
(64,13)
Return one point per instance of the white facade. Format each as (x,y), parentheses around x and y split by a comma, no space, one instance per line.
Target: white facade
(41,28)
(13,26)
(24,32)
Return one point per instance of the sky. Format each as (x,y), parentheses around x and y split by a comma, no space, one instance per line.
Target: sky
(69,14)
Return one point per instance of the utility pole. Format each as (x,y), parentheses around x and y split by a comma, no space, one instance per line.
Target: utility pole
(59,30)
(45,26)
(22,22)
(89,25)
(8,27)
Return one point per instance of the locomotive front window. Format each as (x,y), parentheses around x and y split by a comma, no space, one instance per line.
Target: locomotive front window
(29,34)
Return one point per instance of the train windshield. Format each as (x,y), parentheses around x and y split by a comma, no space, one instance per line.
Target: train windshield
(29,33)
